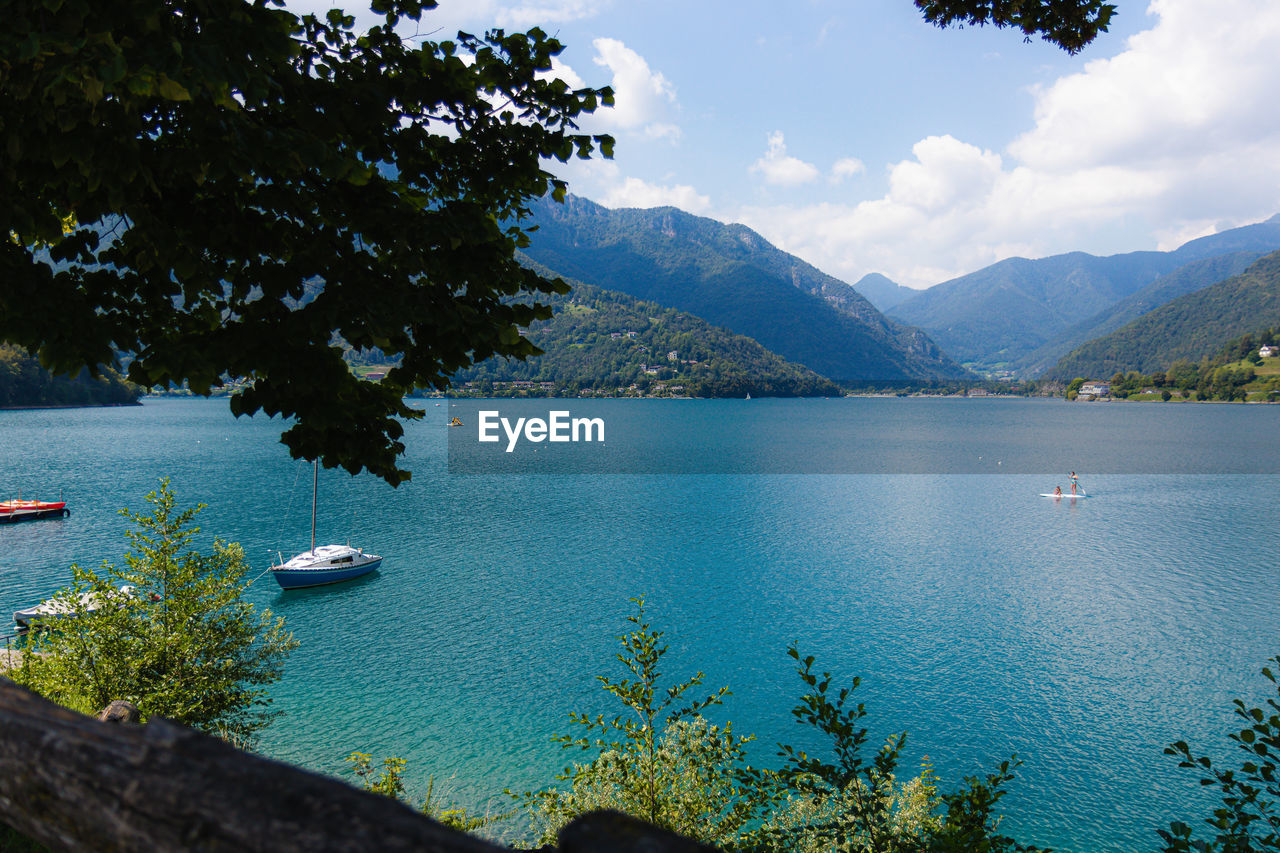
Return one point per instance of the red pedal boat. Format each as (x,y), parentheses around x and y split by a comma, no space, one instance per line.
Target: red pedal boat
(20,510)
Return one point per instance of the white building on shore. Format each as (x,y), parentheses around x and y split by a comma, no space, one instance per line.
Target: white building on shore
(1095,389)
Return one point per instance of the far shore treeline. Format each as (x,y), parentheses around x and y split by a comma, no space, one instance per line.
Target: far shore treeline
(24,383)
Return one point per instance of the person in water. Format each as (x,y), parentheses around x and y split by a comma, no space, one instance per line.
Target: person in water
(1075,482)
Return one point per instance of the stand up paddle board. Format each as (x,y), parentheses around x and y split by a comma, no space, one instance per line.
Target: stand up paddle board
(1064,495)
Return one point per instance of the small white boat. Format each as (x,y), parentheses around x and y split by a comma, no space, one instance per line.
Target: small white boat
(47,612)
(326,564)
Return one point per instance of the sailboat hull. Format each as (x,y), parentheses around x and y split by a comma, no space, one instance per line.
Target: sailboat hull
(322,575)
(324,565)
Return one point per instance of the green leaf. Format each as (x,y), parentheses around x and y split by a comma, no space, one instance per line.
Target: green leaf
(171,89)
(141,84)
(29,47)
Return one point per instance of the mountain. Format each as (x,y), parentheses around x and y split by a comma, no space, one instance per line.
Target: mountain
(999,315)
(1190,327)
(732,277)
(1185,279)
(882,291)
(604,340)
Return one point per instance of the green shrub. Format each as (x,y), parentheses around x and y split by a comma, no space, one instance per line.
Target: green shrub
(182,644)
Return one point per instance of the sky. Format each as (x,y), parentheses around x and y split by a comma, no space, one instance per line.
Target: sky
(860,138)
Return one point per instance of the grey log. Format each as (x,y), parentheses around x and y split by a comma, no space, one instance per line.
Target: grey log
(76,784)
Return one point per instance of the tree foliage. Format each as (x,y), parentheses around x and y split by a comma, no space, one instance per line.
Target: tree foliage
(181,643)
(12,841)
(663,762)
(178,172)
(1069,24)
(848,803)
(1249,817)
(660,761)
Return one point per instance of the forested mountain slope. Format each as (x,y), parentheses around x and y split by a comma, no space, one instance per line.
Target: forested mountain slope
(1185,279)
(1190,327)
(731,277)
(605,341)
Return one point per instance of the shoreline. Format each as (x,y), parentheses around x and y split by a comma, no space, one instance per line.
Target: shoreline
(864,395)
(137,402)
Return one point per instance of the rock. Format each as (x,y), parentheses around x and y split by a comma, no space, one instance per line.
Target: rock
(613,832)
(120,711)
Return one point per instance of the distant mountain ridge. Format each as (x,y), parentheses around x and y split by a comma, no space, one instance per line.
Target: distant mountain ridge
(1190,327)
(1002,314)
(732,277)
(1185,279)
(882,291)
(605,341)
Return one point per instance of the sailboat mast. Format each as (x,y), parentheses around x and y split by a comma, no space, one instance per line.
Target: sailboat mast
(315,487)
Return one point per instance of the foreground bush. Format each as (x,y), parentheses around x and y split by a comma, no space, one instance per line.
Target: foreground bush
(661,761)
(182,643)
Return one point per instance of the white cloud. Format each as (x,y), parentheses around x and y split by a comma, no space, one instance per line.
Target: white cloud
(1199,78)
(945,173)
(643,97)
(1179,129)
(917,234)
(845,168)
(522,16)
(634,192)
(1178,132)
(603,181)
(476,16)
(1171,238)
(781,169)
(661,130)
(593,178)
(826,29)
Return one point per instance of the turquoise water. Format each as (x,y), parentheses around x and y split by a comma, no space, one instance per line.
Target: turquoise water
(983,619)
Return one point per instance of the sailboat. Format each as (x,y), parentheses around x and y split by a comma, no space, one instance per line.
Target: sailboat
(326,564)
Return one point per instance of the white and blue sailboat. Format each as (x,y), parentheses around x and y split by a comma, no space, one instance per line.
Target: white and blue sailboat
(326,564)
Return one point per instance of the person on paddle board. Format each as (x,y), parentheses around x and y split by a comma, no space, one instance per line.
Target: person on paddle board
(1075,482)
(1057,491)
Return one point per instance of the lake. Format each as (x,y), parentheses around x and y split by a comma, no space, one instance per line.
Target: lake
(900,540)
